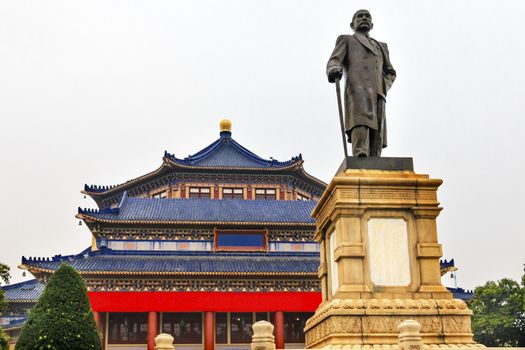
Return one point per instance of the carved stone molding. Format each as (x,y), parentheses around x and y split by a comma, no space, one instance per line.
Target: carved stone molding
(172,285)
(388,307)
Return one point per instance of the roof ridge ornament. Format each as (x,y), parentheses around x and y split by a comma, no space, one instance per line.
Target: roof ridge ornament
(225,129)
(226,125)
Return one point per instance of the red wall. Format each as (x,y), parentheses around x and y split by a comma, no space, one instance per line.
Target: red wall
(204,301)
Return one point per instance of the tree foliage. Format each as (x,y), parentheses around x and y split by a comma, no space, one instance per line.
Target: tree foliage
(4,273)
(62,318)
(499,313)
(4,276)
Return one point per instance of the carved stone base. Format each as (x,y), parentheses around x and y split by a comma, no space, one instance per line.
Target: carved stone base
(396,347)
(367,322)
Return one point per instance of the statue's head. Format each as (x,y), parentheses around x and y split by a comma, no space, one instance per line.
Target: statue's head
(362,21)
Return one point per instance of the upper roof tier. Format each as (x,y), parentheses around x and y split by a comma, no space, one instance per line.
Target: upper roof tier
(199,211)
(227,153)
(223,155)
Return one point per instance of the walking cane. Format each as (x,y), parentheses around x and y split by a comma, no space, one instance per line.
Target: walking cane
(341,120)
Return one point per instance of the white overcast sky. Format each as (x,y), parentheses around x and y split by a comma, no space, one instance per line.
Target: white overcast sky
(95,91)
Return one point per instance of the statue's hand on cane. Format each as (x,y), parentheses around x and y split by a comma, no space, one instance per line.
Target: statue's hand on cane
(335,74)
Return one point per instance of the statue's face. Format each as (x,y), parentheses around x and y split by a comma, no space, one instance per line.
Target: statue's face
(362,21)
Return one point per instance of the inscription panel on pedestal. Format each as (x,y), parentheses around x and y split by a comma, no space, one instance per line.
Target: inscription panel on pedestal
(389,256)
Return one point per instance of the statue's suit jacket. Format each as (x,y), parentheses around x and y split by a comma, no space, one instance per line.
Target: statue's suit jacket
(369,75)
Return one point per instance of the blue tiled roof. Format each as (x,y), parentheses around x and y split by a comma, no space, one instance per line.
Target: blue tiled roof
(460,293)
(227,153)
(206,210)
(182,262)
(12,322)
(224,153)
(24,291)
(446,263)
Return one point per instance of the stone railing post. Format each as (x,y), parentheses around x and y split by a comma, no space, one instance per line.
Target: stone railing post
(164,342)
(263,338)
(409,337)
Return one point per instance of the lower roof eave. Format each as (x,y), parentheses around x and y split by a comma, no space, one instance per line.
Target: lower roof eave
(88,219)
(37,270)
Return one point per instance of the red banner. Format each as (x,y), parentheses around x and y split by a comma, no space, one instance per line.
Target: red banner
(204,301)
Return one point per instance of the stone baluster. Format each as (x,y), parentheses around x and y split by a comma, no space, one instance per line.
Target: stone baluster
(263,338)
(164,341)
(409,336)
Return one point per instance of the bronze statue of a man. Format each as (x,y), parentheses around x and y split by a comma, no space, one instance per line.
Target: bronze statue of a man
(369,75)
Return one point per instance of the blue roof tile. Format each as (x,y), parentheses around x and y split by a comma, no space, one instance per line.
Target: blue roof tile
(446,263)
(12,322)
(206,210)
(460,293)
(182,262)
(24,291)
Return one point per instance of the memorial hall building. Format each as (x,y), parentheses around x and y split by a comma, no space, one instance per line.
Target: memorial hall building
(200,248)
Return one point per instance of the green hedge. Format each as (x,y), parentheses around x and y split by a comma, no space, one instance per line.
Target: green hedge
(62,318)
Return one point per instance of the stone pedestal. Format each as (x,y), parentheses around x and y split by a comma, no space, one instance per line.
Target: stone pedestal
(380,262)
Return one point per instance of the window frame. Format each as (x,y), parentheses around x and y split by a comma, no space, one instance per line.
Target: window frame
(265,195)
(172,316)
(245,339)
(120,316)
(232,195)
(300,317)
(200,192)
(302,197)
(218,231)
(160,195)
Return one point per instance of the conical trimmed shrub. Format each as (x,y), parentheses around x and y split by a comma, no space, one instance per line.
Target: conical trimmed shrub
(62,318)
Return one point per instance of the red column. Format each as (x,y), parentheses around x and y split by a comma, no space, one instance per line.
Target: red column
(98,320)
(209,331)
(96,315)
(279,330)
(153,329)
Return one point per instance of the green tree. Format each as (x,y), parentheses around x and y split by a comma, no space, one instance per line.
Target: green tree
(62,318)
(4,276)
(499,313)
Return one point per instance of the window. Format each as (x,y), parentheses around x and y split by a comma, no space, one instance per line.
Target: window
(185,327)
(232,193)
(200,192)
(294,323)
(221,328)
(243,240)
(241,327)
(294,247)
(261,316)
(128,328)
(160,245)
(265,193)
(161,195)
(302,197)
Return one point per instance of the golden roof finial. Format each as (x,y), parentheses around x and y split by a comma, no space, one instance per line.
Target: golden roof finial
(226,125)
